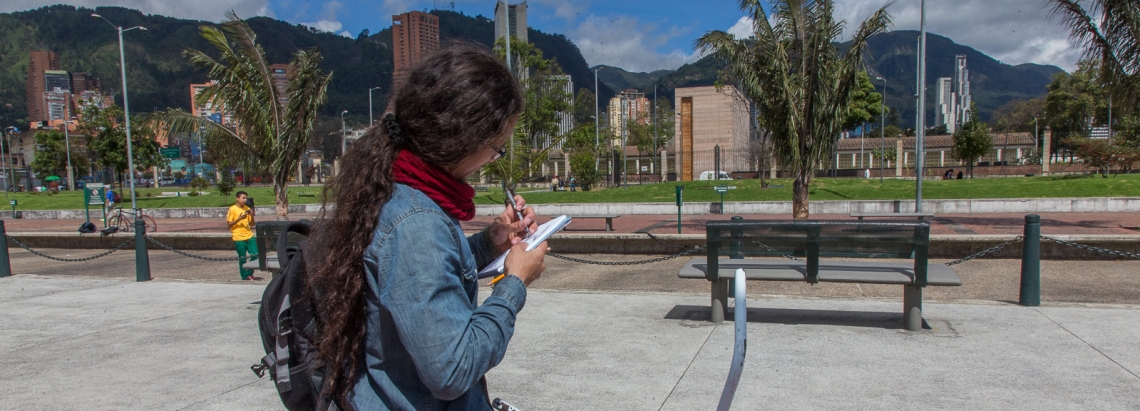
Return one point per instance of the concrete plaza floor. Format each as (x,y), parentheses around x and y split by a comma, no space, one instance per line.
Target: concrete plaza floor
(109,343)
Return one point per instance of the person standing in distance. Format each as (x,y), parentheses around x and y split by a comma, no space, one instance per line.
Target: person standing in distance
(394,279)
(240,222)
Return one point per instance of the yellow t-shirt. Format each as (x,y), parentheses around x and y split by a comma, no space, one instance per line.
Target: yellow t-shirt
(242,230)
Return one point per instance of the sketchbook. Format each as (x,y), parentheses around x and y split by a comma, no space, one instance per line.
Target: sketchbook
(537,237)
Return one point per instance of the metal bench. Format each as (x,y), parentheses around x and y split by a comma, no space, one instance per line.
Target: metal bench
(609,219)
(267,234)
(920,216)
(807,241)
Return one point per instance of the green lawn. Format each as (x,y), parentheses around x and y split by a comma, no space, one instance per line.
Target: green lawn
(700,191)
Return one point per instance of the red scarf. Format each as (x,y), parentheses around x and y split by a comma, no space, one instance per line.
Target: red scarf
(455,197)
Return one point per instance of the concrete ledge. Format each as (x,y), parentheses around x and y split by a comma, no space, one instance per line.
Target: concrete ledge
(1022,205)
(1016,205)
(942,246)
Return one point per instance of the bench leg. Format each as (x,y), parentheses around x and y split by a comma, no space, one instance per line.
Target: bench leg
(609,224)
(912,307)
(719,299)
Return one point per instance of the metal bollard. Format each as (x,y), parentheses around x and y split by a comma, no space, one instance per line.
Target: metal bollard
(142,259)
(5,262)
(1031,262)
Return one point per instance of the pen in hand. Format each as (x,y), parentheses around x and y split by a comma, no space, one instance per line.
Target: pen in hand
(511,197)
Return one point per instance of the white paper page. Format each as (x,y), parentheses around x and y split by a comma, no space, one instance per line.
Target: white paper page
(537,237)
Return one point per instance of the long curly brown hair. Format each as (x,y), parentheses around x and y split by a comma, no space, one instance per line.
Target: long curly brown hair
(452,105)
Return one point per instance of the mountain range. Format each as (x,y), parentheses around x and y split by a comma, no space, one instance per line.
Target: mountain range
(159,77)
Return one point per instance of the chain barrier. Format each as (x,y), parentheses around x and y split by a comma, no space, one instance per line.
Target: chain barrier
(987,251)
(662,242)
(1091,248)
(790,257)
(68,260)
(223,259)
(649,261)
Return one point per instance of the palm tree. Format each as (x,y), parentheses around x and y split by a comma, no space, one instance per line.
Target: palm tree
(1109,35)
(801,84)
(264,135)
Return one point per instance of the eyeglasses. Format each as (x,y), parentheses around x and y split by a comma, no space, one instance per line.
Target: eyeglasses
(500,151)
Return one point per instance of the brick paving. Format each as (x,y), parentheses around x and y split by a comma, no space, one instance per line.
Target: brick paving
(945,224)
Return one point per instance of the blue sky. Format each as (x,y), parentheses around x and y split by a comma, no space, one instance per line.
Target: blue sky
(645,35)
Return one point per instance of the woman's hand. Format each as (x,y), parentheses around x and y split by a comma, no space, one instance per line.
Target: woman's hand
(526,265)
(507,230)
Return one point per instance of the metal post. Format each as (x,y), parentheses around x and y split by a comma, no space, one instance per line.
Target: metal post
(1031,262)
(882,129)
(680,202)
(67,142)
(920,132)
(716,163)
(8,186)
(5,263)
(142,259)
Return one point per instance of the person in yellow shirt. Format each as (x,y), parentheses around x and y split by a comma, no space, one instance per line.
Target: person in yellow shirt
(240,221)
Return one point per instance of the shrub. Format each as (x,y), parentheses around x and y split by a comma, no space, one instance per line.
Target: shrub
(226,184)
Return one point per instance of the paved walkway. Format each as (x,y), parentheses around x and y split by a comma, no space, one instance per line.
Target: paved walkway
(112,344)
(998,223)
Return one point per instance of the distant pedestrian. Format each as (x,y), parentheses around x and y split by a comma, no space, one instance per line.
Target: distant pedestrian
(959,175)
(240,222)
(573,183)
(867,173)
(554,183)
(948,175)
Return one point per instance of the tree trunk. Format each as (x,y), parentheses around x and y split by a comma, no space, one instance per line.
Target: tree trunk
(800,195)
(279,189)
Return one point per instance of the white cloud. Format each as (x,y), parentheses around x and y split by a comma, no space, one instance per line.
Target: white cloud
(565,9)
(742,28)
(624,42)
(1013,31)
(208,10)
(326,25)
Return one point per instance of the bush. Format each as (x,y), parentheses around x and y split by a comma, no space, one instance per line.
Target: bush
(226,184)
(582,168)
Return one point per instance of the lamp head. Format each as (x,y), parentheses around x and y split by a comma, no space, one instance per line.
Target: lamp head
(96,16)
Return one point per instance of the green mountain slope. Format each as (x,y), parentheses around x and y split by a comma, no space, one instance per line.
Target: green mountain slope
(158,76)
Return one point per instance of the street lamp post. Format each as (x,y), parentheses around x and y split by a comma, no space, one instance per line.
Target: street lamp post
(882,127)
(126,108)
(653,158)
(370,106)
(343,139)
(67,142)
(920,133)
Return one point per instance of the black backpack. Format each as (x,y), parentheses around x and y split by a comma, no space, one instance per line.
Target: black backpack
(288,326)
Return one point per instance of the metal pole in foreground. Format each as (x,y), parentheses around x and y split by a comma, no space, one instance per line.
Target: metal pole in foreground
(920,132)
(142,259)
(5,263)
(1031,262)
(882,128)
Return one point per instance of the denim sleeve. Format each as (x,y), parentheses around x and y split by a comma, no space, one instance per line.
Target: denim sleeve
(452,342)
(481,246)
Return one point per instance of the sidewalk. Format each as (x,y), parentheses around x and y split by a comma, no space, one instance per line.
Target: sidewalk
(943,224)
(99,343)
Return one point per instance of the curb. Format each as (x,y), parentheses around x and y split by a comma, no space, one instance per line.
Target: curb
(942,246)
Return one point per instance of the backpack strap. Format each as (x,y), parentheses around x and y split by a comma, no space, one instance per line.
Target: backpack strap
(284,329)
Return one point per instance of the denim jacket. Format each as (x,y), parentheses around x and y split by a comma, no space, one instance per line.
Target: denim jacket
(429,342)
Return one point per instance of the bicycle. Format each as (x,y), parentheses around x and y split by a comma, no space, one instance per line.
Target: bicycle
(127,224)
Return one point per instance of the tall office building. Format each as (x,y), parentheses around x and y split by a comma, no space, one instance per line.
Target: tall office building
(629,105)
(517,16)
(40,61)
(415,35)
(565,118)
(280,74)
(946,105)
(962,88)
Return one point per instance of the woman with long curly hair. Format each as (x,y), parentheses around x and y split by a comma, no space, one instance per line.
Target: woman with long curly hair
(394,275)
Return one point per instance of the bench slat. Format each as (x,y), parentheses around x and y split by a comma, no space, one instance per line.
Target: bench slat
(871,272)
